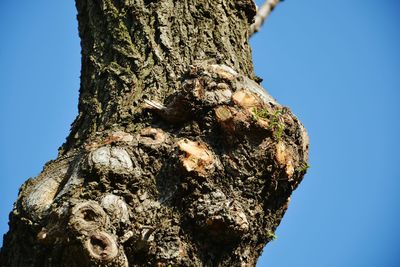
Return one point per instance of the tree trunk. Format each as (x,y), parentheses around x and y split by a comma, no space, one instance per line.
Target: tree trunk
(177,158)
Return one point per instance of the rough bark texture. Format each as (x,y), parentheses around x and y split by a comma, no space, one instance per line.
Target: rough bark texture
(177,157)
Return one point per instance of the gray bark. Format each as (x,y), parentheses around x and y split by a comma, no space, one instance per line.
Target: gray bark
(178,157)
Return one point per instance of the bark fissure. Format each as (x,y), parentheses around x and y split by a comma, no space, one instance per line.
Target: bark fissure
(134,49)
(177,157)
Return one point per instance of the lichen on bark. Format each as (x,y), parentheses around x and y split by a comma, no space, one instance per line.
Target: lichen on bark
(177,157)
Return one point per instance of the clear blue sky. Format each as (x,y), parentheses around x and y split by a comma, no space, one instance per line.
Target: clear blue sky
(335,63)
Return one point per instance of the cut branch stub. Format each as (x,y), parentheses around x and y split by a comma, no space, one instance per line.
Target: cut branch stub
(176,111)
(251,103)
(233,120)
(197,157)
(116,208)
(101,246)
(284,158)
(152,137)
(221,71)
(114,159)
(37,195)
(246,99)
(87,217)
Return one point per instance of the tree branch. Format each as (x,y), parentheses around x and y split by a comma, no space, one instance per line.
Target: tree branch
(262,14)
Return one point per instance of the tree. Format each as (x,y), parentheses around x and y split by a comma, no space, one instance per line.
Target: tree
(177,157)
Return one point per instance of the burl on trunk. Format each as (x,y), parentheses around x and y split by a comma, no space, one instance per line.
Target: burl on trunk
(178,156)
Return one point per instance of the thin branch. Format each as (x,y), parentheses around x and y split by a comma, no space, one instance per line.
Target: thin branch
(262,14)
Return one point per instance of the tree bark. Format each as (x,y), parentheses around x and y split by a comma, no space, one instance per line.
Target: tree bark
(178,157)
